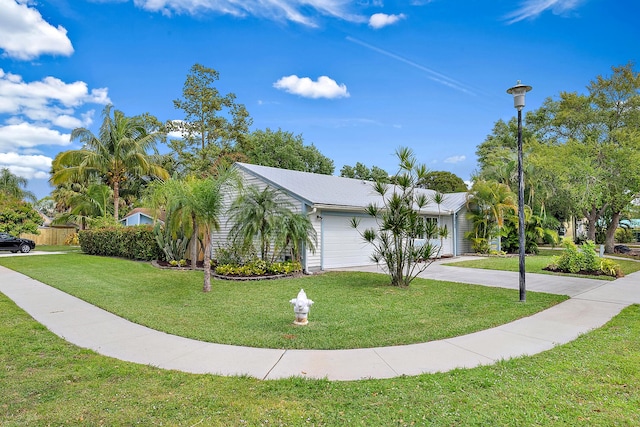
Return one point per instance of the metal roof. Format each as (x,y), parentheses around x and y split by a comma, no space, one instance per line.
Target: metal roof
(330,191)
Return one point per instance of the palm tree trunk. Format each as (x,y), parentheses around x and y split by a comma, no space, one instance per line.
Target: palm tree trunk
(207,263)
(194,242)
(116,198)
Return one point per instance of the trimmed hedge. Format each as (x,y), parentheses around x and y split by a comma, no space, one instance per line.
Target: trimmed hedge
(137,242)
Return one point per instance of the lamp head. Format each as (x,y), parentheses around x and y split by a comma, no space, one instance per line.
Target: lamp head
(518,92)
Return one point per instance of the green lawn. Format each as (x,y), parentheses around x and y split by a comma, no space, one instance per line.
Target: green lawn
(535,264)
(351,309)
(592,381)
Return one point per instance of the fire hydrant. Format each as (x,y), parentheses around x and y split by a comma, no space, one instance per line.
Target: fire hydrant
(301,306)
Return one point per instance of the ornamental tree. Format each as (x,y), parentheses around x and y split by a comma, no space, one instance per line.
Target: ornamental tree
(401,239)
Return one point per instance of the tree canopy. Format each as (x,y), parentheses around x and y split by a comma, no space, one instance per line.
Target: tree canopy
(284,150)
(120,153)
(361,171)
(579,152)
(212,125)
(443,182)
(14,186)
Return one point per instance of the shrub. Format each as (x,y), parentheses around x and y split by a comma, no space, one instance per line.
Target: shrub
(173,249)
(128,242)
(72,240)
(624,235)
(480,245)
(610,268)
(235,254)
(590,260)
(258,268)
(586,260)
(571,260)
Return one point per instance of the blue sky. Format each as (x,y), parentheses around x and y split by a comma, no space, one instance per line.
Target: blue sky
(356,78)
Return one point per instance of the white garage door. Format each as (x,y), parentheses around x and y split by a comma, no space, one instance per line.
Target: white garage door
(342,244)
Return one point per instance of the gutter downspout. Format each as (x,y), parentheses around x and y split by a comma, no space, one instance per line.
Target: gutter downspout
(455,234)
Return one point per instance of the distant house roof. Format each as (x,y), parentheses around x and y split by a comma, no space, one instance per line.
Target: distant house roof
(338,192)
(142,211)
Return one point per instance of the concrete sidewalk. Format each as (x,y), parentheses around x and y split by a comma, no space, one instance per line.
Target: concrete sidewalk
(593,303)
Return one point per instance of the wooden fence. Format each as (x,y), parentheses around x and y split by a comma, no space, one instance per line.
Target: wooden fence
(50,236)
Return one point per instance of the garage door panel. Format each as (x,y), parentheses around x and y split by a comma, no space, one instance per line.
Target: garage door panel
(343,246)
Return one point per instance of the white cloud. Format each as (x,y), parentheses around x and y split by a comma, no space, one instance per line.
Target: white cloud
(533,8)
(25,35)
(48,100)
(455,159)
(26,136)
(281,10)
(379,20)
(26,166)
(324,87)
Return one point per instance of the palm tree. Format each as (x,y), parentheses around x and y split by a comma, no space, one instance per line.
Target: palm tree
(495,199)
(197,202)
(120,151)
(173,197)
(93,203)
(295,231)
(206,197)
(13,186)
(257,214)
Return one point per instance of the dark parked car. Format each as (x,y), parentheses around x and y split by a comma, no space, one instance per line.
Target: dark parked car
(15,244)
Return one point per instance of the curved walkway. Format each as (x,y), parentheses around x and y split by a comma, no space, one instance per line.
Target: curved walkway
(593,303)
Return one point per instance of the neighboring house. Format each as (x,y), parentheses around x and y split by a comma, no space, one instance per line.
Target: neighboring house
(331,201)
(139,216)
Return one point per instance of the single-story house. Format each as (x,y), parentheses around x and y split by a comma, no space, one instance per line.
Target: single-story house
(139,216)
(331,201)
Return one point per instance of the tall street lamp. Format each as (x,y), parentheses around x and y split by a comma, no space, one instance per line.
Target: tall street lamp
(518,92)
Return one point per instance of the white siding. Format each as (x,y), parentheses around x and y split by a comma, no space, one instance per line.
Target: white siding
(220,238)
(314,260)
(447,244)
(464,225)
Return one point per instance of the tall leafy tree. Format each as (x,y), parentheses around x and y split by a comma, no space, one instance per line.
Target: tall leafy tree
(14,186)
(284,150)
(119,152)
(18,216)
(361,171)
(597,136)
(212,125)
(444,182)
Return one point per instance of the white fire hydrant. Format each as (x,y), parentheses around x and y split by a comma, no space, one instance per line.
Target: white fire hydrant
(301,306)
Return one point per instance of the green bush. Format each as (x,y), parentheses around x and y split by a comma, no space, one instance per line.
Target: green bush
(480,245)
(574,260)
(127,242)
(235,254)
(570,261)
(590,260)
(624,235)
(610,268)
(258,268)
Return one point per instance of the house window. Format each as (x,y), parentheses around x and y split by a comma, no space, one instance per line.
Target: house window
(425,225)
